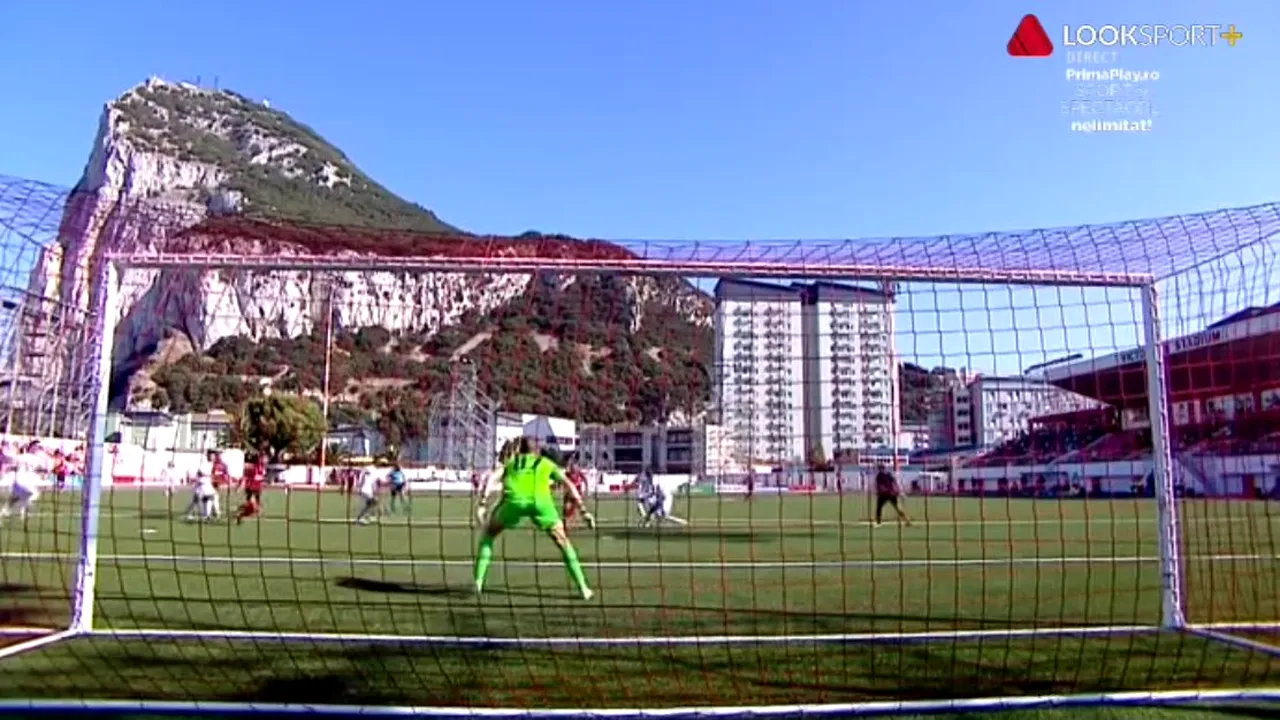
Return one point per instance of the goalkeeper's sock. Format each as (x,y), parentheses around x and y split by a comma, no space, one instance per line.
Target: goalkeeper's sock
(574,566)
(484,557)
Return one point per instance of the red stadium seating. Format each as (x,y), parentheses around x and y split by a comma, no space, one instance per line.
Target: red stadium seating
(1255,433)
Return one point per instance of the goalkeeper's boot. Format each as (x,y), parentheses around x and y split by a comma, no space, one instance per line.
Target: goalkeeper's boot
(479,588)
(588,593)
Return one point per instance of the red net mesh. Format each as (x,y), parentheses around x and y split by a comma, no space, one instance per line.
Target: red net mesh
(820,471)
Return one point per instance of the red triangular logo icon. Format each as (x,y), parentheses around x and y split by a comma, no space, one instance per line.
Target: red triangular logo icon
(1030,39)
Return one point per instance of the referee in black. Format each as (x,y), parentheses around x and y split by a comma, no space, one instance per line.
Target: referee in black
(888,492)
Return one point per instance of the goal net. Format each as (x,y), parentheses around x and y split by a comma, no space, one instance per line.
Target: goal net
(997,470)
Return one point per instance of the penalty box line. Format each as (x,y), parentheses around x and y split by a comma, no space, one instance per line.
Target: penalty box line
(147,559)
(762,523)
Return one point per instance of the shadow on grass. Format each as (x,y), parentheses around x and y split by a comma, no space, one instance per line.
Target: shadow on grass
(840,621)
(450,592)
(30,606)
(397,588)
(623,676)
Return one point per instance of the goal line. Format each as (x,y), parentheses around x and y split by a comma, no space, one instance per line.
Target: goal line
(874,708)
(885,637)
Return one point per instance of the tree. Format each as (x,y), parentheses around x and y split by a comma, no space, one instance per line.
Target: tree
(372,339)
(283,424)
(401,416)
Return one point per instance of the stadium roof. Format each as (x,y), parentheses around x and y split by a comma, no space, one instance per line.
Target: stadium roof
(1124,253)
(1248,323)
(747,290)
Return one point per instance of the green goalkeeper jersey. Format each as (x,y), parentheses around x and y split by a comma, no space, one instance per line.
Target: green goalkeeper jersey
(527,479)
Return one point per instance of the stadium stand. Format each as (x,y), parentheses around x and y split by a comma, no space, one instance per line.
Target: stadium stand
(1214,377)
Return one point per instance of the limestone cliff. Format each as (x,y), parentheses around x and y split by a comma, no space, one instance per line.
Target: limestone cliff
(171,159)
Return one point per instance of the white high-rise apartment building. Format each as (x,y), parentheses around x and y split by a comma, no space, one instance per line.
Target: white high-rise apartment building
(759,383)
(852,388)
(804,370)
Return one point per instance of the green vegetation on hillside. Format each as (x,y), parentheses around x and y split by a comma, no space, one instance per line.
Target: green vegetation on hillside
(539,359)
(565,351)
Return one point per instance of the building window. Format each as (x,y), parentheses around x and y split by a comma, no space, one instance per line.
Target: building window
(628,456)
(680,437)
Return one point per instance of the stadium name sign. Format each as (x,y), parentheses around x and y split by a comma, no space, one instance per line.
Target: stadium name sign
(1197,35)
(1131,356)
(1201,339)
(1190,342)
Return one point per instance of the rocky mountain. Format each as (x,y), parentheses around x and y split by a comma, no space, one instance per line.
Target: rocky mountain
(178,168)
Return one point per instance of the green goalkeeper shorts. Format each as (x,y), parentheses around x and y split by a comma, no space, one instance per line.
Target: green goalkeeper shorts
(543,513)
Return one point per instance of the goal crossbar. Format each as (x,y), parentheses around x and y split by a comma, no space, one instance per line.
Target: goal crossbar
(726,268)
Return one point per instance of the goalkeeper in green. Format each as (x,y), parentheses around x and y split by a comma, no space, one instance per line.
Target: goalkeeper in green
(526,478)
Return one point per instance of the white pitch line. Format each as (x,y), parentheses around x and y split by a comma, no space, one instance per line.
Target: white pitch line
(639,565)
(22,630)
(757,523)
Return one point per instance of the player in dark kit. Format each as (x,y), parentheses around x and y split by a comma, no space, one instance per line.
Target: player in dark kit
(255,477)
(399,489)
(888,492)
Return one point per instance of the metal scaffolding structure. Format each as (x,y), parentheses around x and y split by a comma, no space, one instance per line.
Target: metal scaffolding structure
(462,423)
(46,337)
(45,389)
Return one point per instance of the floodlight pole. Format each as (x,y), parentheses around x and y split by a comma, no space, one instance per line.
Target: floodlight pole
(106,300)
(1172,615)
(324,390)
(890,290)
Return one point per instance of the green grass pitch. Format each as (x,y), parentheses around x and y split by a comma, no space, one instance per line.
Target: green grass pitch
(779,567)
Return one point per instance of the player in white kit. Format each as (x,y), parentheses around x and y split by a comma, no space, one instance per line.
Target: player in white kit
(216,471)
(656,503)
(204,497)
(171,478)
(27,471)
(645,490)
(368,490)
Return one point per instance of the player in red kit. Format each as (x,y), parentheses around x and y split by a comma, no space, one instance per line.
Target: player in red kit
(574,475)
(218,469)
(60,470)
(255,477)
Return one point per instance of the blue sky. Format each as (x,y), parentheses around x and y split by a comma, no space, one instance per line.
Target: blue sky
(709,119)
